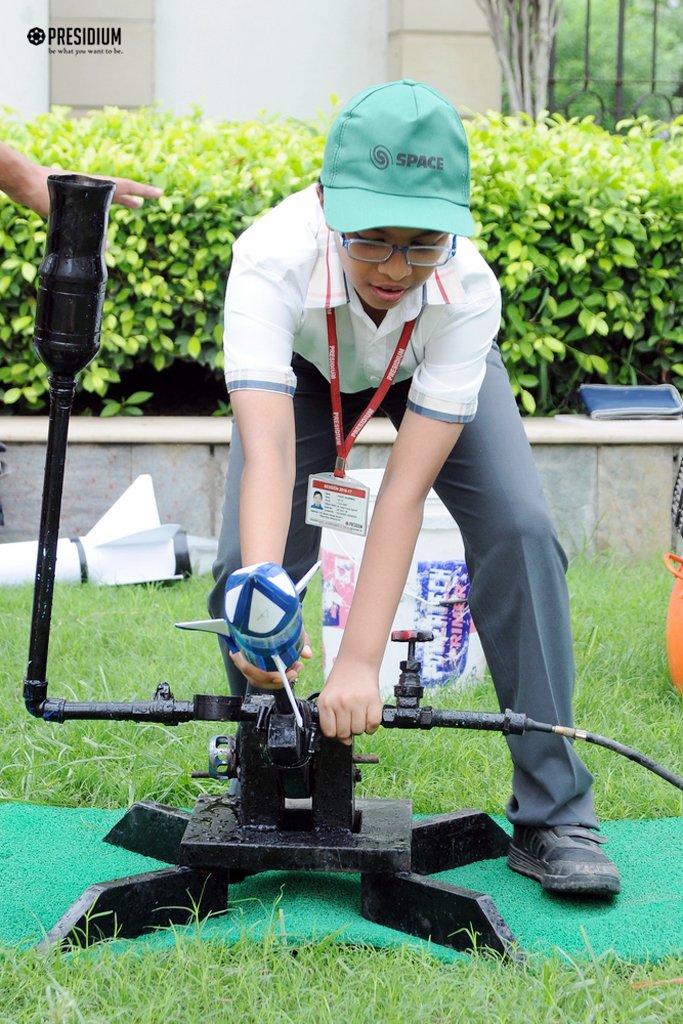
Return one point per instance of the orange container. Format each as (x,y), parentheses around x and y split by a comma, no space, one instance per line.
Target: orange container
(674,622)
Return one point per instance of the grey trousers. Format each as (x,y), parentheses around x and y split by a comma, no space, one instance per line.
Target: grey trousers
(518,593)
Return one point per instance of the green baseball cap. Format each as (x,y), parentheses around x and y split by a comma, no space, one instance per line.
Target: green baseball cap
(397,156)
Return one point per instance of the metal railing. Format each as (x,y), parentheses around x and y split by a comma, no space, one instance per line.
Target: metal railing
(630,88)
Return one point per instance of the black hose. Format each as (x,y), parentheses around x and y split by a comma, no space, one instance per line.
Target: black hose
(603,741)
(412,717)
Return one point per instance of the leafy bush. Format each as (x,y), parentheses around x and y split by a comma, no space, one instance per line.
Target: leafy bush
(167,263)
(583,227)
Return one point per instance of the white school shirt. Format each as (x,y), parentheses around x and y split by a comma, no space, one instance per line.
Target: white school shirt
(275,306)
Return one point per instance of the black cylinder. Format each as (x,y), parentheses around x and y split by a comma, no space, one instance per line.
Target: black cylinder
(73,273)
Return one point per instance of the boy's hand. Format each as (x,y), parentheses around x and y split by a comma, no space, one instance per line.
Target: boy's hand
(270,680)
(350,703)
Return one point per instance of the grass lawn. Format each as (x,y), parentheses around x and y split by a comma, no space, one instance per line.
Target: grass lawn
(114,643)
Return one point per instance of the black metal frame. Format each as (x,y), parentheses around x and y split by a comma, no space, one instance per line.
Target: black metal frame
(586,86)
(226,838)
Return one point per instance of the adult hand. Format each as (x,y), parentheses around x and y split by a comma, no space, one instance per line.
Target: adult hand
(129,193)
(25,182)
(132,193)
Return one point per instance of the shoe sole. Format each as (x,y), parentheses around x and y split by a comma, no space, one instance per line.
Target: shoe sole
(596,883)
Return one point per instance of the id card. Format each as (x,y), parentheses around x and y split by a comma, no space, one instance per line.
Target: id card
(340,503)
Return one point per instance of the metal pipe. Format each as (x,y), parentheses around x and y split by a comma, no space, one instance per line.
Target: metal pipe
(62,391)
(72,280)
(167,712)
(163,708)
(619,84)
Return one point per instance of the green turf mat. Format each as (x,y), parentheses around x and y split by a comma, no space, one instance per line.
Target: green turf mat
(49,855)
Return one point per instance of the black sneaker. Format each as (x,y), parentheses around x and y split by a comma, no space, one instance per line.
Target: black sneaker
(564,859)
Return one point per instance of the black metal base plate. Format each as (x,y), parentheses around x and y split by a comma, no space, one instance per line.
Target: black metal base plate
(214,838)
(461,919)
(127,907)
(450,840)
(154,830)
(392,853)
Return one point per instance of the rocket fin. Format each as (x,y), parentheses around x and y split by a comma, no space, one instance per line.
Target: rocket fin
(219,626)
(154,535)
(134,511)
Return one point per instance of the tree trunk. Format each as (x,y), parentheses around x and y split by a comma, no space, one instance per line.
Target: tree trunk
(523,32)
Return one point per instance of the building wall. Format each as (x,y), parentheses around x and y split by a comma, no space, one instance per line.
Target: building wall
(236,59)
(24,69)
(83,77)
(447,45)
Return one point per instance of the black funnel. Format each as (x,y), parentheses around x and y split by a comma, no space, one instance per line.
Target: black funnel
(73,273)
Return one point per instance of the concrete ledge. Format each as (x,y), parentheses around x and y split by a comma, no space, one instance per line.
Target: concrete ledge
(122,430)
(218,430)
(608,483)
(583,430)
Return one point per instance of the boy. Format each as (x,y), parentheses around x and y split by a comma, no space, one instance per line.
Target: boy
(328,294)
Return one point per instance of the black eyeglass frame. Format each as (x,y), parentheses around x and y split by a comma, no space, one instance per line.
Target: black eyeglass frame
(446,251)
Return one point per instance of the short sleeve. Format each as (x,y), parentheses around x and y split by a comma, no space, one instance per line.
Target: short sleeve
(446,382)
(265,297)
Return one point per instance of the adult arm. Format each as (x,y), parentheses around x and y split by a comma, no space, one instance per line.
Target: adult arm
(25,182)
(350,702)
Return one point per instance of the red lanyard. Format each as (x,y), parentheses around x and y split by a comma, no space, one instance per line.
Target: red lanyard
(344,444)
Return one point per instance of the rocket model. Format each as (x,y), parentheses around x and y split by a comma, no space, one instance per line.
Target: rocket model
(128,545)
(263,619)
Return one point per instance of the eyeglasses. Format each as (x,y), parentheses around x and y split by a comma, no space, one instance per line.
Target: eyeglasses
(368,251)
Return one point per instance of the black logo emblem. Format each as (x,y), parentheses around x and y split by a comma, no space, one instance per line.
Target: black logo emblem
(381,157)
(36,36)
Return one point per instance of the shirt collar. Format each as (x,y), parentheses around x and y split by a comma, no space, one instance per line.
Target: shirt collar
(326,270)
(444,286)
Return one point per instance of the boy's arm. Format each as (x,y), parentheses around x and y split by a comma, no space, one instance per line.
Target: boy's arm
(266,424)
(25,182)
(350,702)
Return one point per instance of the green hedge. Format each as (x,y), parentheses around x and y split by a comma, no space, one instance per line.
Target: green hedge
(167,262)
(584,228)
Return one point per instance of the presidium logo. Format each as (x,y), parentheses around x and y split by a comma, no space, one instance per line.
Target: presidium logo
(78,38)
(382,159)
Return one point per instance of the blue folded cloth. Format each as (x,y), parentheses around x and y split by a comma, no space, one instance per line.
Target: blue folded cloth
(631,402)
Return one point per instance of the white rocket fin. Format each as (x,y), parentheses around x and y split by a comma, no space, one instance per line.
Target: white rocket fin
(154,535)
(207,625)
(134,511)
